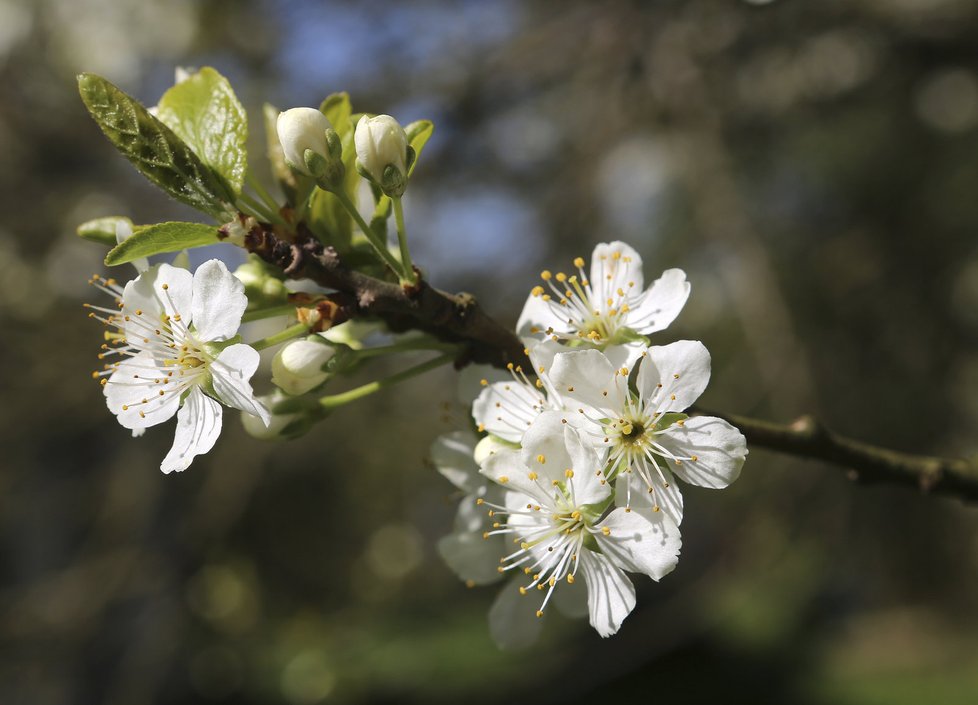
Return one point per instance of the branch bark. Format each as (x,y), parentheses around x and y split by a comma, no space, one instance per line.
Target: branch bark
(807,438)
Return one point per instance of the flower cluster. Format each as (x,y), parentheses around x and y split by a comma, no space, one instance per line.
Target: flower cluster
(576,473)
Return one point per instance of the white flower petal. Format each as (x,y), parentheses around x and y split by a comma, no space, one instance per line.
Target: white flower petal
(506,409)
(451,455)
(683,370)
(513,623)
(610,594)
(146,300)
(537,317)
(129,391)
(506,468)
(632,491)
(719,450)
(615,265)
(641,541)
(230,375)
(660,304)
(586,377)
(470,516)
(218,301)
(472,557)
(626,356)
(198,426)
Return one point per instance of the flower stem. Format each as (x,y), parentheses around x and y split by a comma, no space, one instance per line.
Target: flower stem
(380,247)
(411,277)
(293,331)
(261,313)
(328,403)
(262,192)
(259,209)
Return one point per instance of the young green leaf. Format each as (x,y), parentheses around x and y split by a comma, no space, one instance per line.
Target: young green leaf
(153,148)
(204,112)
(163,237)
(418,133)
(102,230)
(337,110)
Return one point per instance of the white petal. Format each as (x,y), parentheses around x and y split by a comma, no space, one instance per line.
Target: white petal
(452,454)
(626,356)
(123,231)
(538,316)
(131,385)
(660,304)
(470,516)
(472,557)
(198,426)
(513,623)
(145,299)
(632,491)
(506,409)
(230,375)
(719,450)
(641,541)
(683,370)
(586,377)
(218,302)
(621,263)
(610,594)
(506,468)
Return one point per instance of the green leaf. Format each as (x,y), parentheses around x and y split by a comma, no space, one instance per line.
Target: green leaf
(102,230)
(163,237)
(204,112)
(418,134)
(153,148)
(338,110)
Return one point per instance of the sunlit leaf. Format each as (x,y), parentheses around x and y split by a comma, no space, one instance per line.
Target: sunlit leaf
(163,237)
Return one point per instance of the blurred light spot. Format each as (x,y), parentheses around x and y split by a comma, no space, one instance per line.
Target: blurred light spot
(307,679)
(948,101)
(630,180)
(223,595)
(394,551)
(216,672)
(15,24)
(523,138)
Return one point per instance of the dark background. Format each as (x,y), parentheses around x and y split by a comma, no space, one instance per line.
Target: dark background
(812,167)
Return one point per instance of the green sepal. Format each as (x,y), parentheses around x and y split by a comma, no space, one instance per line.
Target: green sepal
(102,230)
(153,148)
(204,112)
(668,419)
(215,347)
(149,240)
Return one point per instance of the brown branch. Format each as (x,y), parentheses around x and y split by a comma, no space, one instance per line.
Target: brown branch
(807,438)
(454,318)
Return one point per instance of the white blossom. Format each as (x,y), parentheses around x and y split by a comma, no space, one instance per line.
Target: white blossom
(380,142)
(644,434)
(298,366)
(607,306)
(558,515)
(300,129)
(174,333)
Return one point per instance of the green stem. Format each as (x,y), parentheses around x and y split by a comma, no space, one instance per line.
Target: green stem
(289,333)
(328,403)
(260,210)
(406,346)
(402,242)
(262,192)
(259,314)
(380,247)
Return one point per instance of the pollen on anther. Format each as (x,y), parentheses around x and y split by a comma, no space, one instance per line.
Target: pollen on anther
(503,479)
(542,459)
(533,476)
(606,531)
(578,262)
(568,473)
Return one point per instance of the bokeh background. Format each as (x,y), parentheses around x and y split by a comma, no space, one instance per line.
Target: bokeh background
(812,166)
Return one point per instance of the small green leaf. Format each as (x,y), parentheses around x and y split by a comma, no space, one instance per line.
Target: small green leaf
(102,230)
(338,110)
(204,112)
(418,134)
(153,148)
(163,237)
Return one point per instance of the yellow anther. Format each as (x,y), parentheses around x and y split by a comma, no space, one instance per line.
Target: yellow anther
(570,389)
(541,458)
(484,382)
(479,502)
(570,579)
(616,255)
(470,583)
(533,476)
(485,534)
(539,384)
(561,277)
(546,275)
(536,291)
(524,545)
(165,287)
(606,531)
(503,479)
(539,613)
(522,590)
(578,261)
(694,458)
(568,473)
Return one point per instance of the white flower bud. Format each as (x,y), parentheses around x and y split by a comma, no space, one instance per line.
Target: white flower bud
(298,367)
(300,129)
(486,447)
(381,142)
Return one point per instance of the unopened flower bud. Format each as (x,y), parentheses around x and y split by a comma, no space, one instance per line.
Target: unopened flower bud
(382,152)
(298,367)
(301,129)
(281,426)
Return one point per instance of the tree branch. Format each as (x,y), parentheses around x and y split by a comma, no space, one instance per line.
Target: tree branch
(452,318)
(807,438)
